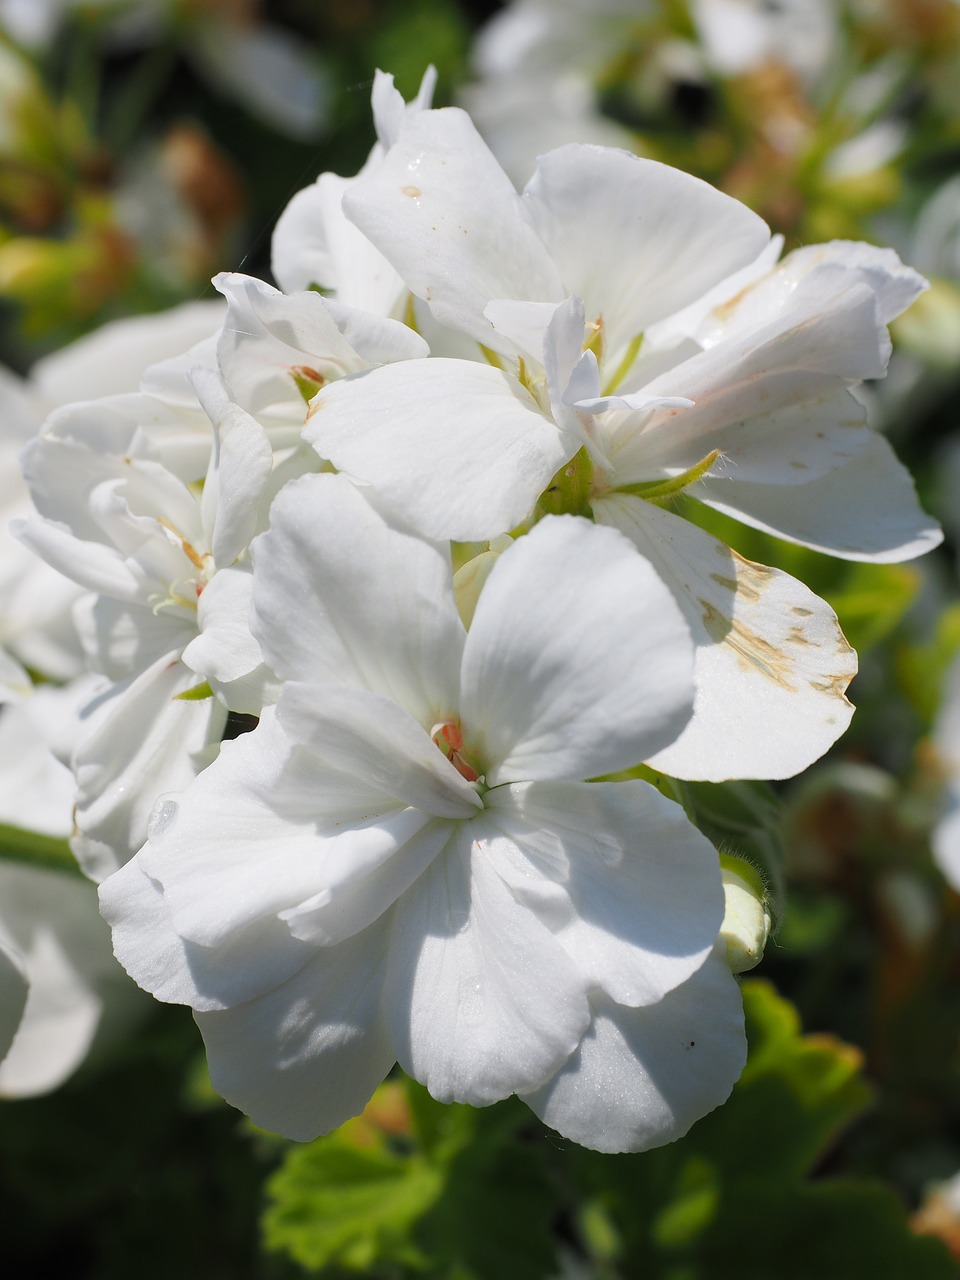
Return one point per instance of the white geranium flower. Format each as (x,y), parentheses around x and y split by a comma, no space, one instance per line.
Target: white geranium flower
(35,623)
(635,314)
(403,862)
(51,933)
(114,481)
(273,346)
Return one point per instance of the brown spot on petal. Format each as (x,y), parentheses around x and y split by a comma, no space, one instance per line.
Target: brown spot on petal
(835,685)
(751,649)
(413,192)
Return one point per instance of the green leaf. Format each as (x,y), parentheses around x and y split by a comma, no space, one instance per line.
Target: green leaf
(495,1216)
(338,1204)
(415,1184)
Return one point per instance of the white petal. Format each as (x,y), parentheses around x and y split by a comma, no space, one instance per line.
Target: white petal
(866,510)
(300,252)
(52,921)
(376,339)
(113,358)
(491,450)
(90,564)
(249,839)
(370,736)
(314,244)
(771,399)
(36,790)
(444,213)
(945,836)
(179,971)
(122,639)
(13,993)
(642,1077)
(341,598)
(303,1058)
(269,337)
(640,898)
(895,285)
(480,999)
(270,834)
(238,475)
(389,108)
(771,662)
(577,661)
(15,684)
(365,878)
(225,654)
(636,240)
(139,740)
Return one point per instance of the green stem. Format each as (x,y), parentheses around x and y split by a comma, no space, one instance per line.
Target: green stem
(36,850)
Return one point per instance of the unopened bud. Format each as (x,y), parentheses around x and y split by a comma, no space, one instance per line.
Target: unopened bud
(468,581)
(746,920)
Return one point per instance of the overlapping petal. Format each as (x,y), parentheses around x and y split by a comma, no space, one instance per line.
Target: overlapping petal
(322,1043)
(635,239)
(577,662)
(492,450)
(641,1077)
(373,608)
(481,1000)
(771,662)
(628,887)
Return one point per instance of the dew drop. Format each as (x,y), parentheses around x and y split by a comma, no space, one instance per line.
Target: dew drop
(162,817)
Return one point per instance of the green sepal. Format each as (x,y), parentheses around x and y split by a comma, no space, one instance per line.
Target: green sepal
(656,490)
(197,694)
(568,493)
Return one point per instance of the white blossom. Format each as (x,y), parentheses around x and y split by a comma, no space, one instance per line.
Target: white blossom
(634,313)
(403,862)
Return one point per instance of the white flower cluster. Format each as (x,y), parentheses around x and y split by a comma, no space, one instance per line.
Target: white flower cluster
(414,512)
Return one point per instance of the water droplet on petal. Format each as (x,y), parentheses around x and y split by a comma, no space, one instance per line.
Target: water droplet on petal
(162,817)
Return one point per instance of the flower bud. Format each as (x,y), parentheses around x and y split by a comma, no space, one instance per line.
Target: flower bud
(746,920)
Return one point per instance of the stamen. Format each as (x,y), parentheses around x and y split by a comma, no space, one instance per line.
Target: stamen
(449,738)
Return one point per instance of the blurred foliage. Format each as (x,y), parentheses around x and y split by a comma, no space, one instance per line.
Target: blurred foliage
(412,1187)
(120,1170)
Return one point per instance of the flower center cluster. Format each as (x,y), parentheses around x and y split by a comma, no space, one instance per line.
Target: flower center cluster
(449,738)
